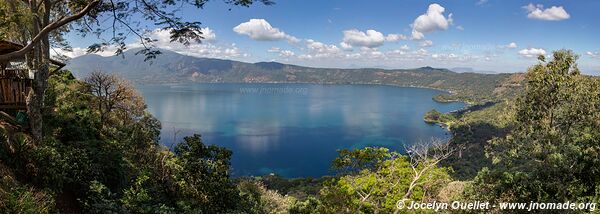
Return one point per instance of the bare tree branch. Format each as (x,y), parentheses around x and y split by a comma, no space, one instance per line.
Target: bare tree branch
(52,26)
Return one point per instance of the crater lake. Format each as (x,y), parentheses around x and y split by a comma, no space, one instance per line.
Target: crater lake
(293,130)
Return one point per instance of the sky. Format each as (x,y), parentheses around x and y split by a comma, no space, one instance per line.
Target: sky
(486,35)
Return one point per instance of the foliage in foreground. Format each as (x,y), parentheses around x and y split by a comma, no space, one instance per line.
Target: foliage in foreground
(553,152)
(373,180)
(99,161)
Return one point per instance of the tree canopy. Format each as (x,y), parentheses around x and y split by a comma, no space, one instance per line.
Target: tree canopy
(552,152)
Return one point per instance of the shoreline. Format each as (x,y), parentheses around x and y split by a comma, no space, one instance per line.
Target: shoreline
(313,83)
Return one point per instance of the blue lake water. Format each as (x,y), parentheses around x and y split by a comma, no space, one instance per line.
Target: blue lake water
(293,130)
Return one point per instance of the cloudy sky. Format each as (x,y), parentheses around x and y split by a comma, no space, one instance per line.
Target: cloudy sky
(487,35)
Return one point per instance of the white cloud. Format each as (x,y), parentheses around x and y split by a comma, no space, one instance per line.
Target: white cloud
(79,51)
(395,37)
(422,52)
(451,57)
(397,53)
(369,54)
(417,35)
(261,30)
(74,52)
(274,50)
(287,53)
(205,49)
(426,43)
(595,55)
(370,39)
(320,50)
(553,13)
(292,39)
(318,53)
(404,55)
(481,2)
(431,21)
(511,45)
(320,47)
(282,53)
(532,52)
(345,46)
(208,34)
(460,27)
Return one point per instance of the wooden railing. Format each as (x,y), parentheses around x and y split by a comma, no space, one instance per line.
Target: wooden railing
(14,73)
(13,92)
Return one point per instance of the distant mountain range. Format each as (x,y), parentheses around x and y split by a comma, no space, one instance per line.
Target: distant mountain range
(171,67)
(470,70)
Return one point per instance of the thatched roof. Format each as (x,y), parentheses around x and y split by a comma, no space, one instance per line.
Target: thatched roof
(9,47)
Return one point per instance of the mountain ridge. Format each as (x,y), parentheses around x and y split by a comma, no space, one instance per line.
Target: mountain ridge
(164,52)
(172,67)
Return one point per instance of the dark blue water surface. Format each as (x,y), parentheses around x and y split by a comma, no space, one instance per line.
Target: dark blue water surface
(293,130)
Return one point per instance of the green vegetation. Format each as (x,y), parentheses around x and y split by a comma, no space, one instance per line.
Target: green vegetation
(551,154)
(96,161)
(540,146)
(373,180)
(435,116)
(299,188)
(445,98)
(474,127)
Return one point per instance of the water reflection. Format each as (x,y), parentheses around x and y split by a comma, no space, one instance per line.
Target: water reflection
(293,131)
(257,138)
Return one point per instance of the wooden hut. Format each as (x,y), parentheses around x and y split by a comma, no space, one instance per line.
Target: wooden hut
(16,78)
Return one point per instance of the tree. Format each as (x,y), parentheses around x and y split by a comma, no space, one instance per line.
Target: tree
(259,199)
(41,24)
(379,178)
(424,157)
(113,94)
(204,179)
(552,152)
(435,116)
